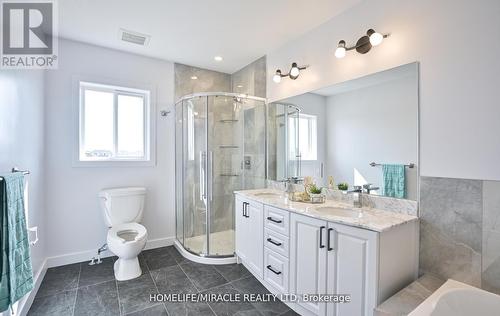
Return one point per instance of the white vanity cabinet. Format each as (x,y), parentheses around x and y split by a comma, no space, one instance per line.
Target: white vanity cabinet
(308,262)
(302,254)
(249,225)
(331,258)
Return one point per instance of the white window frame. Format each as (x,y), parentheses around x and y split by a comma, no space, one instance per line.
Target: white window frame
(118,88)
(312,147)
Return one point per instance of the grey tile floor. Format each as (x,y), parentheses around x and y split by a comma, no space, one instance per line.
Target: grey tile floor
(80,289)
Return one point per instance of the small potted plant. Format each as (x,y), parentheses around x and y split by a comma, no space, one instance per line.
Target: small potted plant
(316,194)
(343,186)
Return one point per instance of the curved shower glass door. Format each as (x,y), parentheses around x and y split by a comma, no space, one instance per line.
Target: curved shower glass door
(223,150)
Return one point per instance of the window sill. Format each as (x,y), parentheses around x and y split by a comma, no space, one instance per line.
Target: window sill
(113,163)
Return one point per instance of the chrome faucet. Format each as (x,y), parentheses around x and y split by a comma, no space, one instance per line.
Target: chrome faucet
(290,188)
(356,192)
(367,188)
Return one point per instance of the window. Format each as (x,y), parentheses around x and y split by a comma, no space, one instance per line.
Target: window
(306,134)
(114,123)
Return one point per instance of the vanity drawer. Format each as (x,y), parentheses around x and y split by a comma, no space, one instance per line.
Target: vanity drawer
(276,242)
(276,270)
(277,220)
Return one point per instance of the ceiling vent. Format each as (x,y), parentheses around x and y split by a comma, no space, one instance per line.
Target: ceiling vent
(134,37)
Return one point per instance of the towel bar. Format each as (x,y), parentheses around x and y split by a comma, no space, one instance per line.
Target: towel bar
(15,169)
(411,165)
(30,229)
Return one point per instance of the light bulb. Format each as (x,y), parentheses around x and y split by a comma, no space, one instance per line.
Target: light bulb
(340,51)
(277,76)
(375,38)
(295,71)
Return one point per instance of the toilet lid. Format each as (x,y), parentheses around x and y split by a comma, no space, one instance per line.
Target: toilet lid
(128,232)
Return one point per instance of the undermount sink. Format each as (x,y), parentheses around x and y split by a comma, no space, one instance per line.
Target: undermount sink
(268,195)
(342,212)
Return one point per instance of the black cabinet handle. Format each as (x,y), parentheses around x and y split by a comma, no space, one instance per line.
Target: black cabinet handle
(329,237)
(277,221)
(321,237)
(273,242)
(273,271)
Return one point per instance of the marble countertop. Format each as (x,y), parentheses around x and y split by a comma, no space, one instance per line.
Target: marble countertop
(369,218)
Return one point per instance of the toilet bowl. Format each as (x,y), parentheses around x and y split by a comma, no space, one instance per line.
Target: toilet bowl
(126,238)
(126,241)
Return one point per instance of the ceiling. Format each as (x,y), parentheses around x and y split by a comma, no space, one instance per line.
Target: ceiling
(194,31)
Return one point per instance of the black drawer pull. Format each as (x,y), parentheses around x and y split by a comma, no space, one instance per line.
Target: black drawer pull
(273,271)
(329,237)
(273,242)
(277,221)
(321,237)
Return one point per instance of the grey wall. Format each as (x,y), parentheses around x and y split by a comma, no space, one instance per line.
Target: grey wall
(251,79)
(74,218)
(376,123)
(208,80)
(22,143)
(460,230)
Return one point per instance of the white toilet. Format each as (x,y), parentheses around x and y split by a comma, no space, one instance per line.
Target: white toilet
(123,209)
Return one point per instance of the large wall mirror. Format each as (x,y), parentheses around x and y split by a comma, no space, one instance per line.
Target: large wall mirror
(359,132)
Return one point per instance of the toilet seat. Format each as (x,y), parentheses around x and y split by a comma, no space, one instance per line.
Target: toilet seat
(122,232)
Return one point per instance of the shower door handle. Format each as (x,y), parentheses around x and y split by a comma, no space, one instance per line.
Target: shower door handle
(211,174)
(203,192)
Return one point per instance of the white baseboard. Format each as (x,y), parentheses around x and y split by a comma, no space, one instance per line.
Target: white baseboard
(24,304)
(87,255)
(159,242)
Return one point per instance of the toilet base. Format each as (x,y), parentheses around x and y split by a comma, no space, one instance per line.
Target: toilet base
(127,269)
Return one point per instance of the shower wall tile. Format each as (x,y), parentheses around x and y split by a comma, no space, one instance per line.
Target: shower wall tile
(251,79)
(208,80)
(491,236)
(451,228)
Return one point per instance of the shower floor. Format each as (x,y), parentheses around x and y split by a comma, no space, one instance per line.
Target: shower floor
(221,243)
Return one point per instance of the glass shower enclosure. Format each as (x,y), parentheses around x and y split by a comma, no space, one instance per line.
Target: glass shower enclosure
(284,158)
(220,147)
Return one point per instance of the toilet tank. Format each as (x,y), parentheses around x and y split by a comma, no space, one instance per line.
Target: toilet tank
(122,205)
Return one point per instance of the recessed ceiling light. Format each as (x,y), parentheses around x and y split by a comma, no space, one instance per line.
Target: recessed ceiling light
(194,77)
(239,86)
(218,58)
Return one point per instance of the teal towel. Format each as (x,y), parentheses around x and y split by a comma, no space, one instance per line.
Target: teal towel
(394,181)
(16,279)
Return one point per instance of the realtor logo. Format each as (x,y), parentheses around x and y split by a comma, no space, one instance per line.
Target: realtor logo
(29,37)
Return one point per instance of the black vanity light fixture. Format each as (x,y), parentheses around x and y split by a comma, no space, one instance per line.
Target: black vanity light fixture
(363,45)
(293,73)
